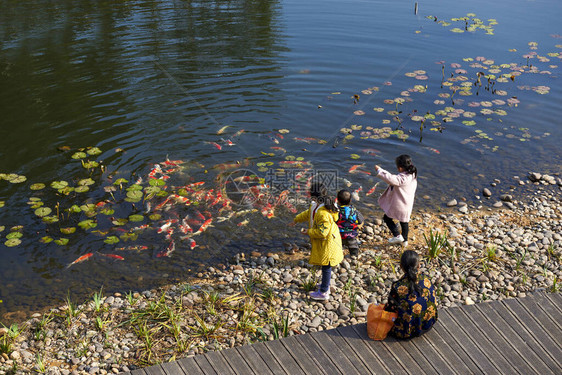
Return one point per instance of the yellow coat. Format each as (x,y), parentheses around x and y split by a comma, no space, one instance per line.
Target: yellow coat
(324,237)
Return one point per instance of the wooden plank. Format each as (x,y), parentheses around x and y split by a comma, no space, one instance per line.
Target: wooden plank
(204,364)
(535,328)
(358,346)
(219,364)
(339,342)
(543,302)
(189,366)
(527,349)
(319,356)
(261,349)
(407,361)
(155,370)
(338,358)
(389,359)
(507,350)
(445,360)
(482,342)
(255,361)
(455,343)
(556,299)
(236,362)
(172,368)
(424,349)
(139,371)
(284,357)
(302,355)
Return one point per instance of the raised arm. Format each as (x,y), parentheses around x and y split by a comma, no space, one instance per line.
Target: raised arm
(393,179)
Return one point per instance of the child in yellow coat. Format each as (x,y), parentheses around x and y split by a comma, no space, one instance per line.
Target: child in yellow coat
(324,236)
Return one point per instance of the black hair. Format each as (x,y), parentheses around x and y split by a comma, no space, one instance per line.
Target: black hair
(344,197)
(405,162)
(319,191)
(409,264)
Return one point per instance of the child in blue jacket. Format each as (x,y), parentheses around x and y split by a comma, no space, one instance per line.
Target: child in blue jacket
(349,221)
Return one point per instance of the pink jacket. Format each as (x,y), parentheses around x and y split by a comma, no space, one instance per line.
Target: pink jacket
(397,200)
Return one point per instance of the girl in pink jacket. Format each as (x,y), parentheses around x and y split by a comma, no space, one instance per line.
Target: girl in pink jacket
(397,200)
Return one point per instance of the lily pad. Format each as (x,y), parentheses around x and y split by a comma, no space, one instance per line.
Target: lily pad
(68,230)
(155,217)
(66,190)
(120,181)
(90,164)
(87,224)
(62,241)
(136,218)
(111,240)
(11,235)
(119,221)
(78,155)
(134,187)
(18,180)
(12,242)
(107,211)
(134,196)
(59,184)
(157,182)
(46,239)
(81,189)
(50,219)
(75,208)
(88,207)
(129,237)
(2,228)
(355,156)
(43,211)
(94,151)
(37,186)
(2,204)
(86,182)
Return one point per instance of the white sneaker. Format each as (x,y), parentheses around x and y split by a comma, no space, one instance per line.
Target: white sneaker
(405,244)
(396,240)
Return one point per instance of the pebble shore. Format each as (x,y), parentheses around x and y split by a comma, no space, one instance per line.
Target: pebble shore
(503,243)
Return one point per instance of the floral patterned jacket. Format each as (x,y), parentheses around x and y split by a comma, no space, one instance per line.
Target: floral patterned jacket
(416,313)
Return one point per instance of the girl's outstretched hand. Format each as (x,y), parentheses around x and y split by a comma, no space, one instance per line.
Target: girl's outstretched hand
(304,231)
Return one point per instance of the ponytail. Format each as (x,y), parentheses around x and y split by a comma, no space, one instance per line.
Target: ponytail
(409,263)
(405,162)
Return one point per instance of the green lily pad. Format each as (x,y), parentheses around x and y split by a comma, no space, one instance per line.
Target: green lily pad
(262,169)
(152,190)
(88,207)
(12,242)
(120,181)
(134,196)
(2,228)
(134,187)
(35,205)
(9,236)
(183,192)
(162,193)
(86,182)
(74,208)
(94,151)
(66,190)
(16,228)
(59,184)
(157,182)
(111,240)
(155,217)
(136,218)
(129,237)
(2,204)
(107,211)
(50,219)
(62,241)
(81,189)
(37,186)
(18,180)
(90,164)
(355,156)
(68,230)
(78,155)
(87,224)
(43,211)
(119,221)
(46,239)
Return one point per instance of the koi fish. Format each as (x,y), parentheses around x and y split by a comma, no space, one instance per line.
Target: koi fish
(199,215)
(169,233)
(196,183)
(166,253)
(172,163)
(180,199)
(354,167)
(81,259)
(372,190)
(228,142)
(238,133)
(167,225)
(215,144)
(184,227)
(358,190)
(302,140)
(192,243)
(204,226)
(243,223)
(114,256)
(277,148)
(370,151)
(221,130)
(141,227)
(433,150)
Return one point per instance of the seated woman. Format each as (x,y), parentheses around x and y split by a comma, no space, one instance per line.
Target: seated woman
(413,298)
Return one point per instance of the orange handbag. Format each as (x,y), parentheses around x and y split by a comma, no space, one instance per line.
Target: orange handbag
(379,322)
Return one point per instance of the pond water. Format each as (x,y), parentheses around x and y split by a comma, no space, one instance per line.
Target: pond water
(301,86)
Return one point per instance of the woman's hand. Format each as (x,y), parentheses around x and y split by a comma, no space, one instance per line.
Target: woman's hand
(304,231)
(377,168)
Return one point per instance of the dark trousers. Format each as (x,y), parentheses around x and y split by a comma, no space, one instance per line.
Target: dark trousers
(352,244)
(326,276)
(394,227)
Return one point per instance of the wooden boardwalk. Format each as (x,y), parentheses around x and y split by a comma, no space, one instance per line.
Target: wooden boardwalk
(515,336)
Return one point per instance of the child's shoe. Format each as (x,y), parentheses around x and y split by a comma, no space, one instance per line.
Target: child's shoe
(319,296)
(318,287)
(405,244)
(396,240)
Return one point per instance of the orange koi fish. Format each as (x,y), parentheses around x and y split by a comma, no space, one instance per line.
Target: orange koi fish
(167,224)
(192,243)
(196,183)
(354,169)
(81,259)
(243,223)
(215,144)
(358,190)
(372,190)
(221,130)
(370,151)
(238,133)
(433,150)
(302,140)
(169,250)
(277,148)
(184,227)
(172,163)
(228,142)
(204,226)
(114,256)
(199,215)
